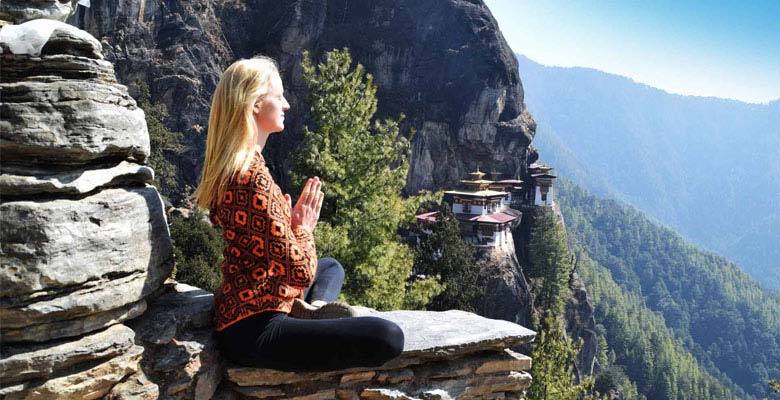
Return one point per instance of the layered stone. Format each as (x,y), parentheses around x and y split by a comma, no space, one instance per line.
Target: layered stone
(36,361)
(84,237)
(70,122)
(91,383)
(82,368)
(18,11)
(69,247)
(79,181)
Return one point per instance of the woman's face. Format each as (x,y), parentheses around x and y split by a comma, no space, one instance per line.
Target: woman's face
(269,111)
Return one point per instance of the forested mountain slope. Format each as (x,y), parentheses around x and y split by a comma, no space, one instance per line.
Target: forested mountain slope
(707,167)
(723,317)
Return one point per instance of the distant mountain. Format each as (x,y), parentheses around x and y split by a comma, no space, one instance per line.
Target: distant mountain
(707,167)
(719,314)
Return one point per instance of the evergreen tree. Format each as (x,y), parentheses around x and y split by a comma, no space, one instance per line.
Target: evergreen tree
(551,262)
(553,363)
(552,353)
(362,163)
(442,251)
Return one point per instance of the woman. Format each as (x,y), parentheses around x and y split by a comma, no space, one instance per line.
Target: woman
(270,262)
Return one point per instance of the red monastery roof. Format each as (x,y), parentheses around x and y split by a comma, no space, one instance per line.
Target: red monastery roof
(495,218)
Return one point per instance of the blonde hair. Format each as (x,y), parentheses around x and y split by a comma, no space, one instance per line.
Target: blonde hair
(231,135)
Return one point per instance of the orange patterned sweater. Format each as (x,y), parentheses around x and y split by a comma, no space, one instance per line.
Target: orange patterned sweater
(267,263)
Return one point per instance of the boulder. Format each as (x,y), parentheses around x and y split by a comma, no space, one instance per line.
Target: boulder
(18,11)
(36,361)
(91,383)
(68,246)
(72,327)
(45,36)
(67,122)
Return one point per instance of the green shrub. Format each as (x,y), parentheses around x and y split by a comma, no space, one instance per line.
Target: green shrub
(197,252)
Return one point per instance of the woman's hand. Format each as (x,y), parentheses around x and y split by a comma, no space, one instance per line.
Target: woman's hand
(306,212)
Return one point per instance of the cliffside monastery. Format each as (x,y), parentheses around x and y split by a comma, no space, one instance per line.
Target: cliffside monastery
(487,208)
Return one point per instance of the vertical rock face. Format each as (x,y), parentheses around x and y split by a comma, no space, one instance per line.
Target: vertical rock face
(84,236)
(444,64)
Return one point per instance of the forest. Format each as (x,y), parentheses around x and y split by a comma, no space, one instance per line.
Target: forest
(654,292)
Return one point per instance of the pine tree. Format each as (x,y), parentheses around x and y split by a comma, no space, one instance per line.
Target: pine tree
(551,262)
(552,353)
(362,163)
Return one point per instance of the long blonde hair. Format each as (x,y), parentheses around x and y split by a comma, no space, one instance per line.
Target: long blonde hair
(231,135)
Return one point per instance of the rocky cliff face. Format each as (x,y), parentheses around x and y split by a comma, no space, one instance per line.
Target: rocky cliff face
(84,236)
(443,64)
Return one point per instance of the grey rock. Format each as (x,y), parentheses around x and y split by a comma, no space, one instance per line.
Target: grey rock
(27,362)
(68,39)
(44,36)
(45,123)
(455,332)
(91,383)
(72,327)
(18,11)
(179,309)
(55,67)
(58,247)
(436,394)
(26,182)
(506,292)
(134,387)
(99,296)
(581,325)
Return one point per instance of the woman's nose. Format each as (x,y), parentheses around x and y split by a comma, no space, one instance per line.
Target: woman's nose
(286,105)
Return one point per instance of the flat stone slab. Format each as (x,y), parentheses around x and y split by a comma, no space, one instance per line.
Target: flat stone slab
(35,361)
(429,336)
(91,383)
(72,327)
(25,182)
(455,332)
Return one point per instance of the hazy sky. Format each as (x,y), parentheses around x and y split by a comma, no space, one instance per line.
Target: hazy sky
(727,49)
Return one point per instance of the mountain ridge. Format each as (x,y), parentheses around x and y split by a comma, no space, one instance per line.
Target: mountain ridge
(706,167)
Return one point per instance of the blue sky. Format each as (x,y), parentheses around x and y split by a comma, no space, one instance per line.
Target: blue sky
(727,49)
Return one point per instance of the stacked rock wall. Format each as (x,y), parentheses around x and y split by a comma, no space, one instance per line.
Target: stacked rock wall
(84,236)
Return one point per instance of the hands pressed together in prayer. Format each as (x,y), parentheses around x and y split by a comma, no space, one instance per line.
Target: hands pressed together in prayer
(306,212)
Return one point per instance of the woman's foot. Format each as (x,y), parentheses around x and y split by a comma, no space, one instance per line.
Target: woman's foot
(334,310)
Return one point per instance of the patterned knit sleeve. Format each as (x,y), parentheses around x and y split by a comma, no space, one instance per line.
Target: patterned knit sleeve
(290,253)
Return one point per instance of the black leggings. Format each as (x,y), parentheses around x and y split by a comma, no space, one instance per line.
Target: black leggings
(275,340)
